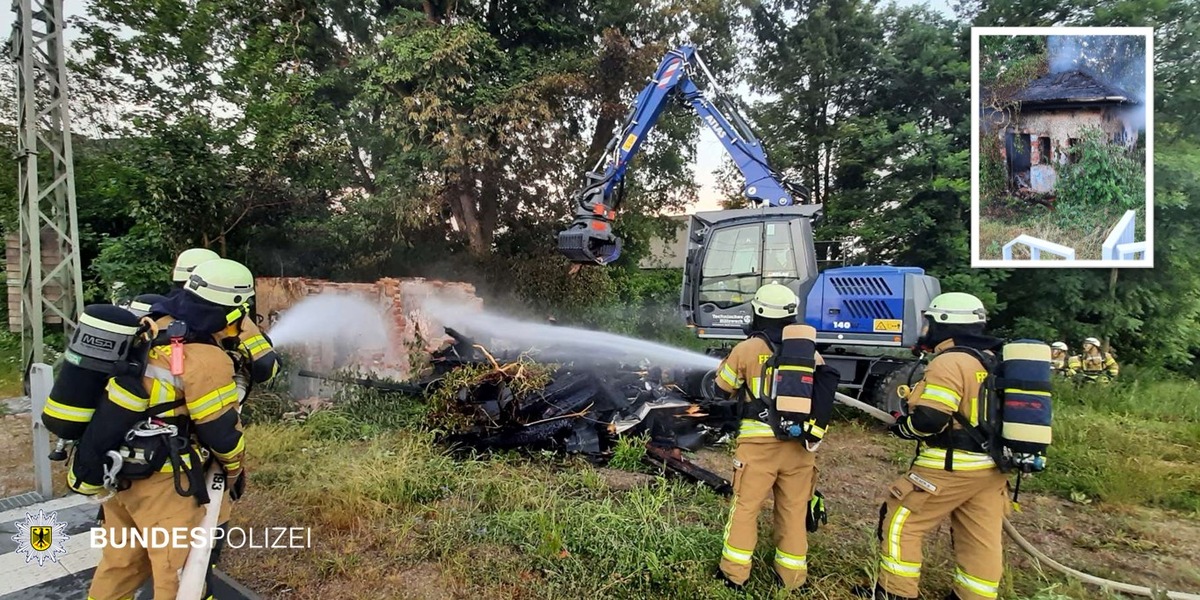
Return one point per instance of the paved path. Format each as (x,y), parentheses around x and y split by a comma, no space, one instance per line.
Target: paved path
(70,576)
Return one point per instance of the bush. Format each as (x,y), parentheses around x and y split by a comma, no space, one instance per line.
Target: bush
(140,260)
(1103,175)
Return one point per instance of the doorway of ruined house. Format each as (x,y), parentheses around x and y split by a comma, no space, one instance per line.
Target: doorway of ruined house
(1017,151)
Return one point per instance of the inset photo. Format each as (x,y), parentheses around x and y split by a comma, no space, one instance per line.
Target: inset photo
(1062,144)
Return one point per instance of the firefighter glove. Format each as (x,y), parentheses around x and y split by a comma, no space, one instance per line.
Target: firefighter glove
(903,430)
(816,511)
(238,486)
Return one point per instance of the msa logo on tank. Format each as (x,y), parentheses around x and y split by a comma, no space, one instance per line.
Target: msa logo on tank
(97,342)
(41,537)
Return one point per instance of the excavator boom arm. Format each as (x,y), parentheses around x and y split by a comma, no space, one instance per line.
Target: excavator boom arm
(590,238)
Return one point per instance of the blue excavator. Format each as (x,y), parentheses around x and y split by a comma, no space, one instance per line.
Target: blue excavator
(865,316)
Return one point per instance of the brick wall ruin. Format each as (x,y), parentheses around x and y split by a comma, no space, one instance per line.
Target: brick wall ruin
(414,334)
(1055,130)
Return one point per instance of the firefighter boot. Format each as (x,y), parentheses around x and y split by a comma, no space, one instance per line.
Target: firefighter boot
(729,583)
(876,592)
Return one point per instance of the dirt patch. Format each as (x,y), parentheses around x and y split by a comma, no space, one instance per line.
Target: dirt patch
(618,480)
(16,458)
(1139,545)
(420,581)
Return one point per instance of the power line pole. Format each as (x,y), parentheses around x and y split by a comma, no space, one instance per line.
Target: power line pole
(50,293)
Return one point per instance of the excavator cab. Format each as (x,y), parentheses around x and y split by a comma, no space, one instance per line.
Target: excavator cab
(731,253)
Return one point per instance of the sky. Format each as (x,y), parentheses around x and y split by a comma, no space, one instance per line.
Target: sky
(8,15)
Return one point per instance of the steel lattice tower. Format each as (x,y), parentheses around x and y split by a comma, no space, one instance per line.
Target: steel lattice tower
(50,293)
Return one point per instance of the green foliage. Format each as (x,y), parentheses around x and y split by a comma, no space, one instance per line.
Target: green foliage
(1103,174)
(1007,63)
(1150,316)
(628,453)
(993,175)
(444,139)
(140,260)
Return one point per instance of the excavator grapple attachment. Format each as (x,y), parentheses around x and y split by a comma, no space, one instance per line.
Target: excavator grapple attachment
(589,241)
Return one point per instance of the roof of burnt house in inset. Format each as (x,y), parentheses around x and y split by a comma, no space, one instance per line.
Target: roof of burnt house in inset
(1072,87)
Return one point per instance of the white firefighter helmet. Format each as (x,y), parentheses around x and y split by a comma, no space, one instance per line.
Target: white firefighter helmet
(187,261)
(775,301)
(956,308)
(222,281)
(1092,341)
(1059,346)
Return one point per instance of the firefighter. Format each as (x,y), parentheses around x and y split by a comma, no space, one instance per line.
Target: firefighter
(195,377)
(764,464)
(951,476)
(261,361)
(1059,360)
(1095,366)
(254,356)
(186,262)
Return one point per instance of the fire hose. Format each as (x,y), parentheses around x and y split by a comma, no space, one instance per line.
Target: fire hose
(1038,555)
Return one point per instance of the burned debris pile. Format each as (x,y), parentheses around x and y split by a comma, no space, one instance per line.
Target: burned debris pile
(481,401)
(487,402)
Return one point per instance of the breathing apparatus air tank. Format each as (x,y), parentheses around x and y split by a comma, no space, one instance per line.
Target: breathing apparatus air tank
(105,344)
(1026,414)
(800,392)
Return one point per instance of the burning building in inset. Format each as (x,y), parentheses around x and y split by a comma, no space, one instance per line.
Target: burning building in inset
(1052,113)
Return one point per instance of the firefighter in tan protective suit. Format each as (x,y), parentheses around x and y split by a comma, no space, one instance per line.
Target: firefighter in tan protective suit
(1095,366)
(1060,362)
(255,356)
(951,476)
(193,374)
(262,363)
(763,464)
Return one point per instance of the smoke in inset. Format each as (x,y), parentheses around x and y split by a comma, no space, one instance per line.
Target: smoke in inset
(1117,60)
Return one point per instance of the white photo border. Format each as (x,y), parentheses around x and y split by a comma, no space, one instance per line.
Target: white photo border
(1148,259)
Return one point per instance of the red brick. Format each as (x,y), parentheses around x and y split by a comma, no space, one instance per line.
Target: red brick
(399,300)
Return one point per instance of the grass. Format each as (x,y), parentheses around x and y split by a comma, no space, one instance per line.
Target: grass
(390,507)
(11,383)
(628,453)
(1081,229)
(1132,443)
